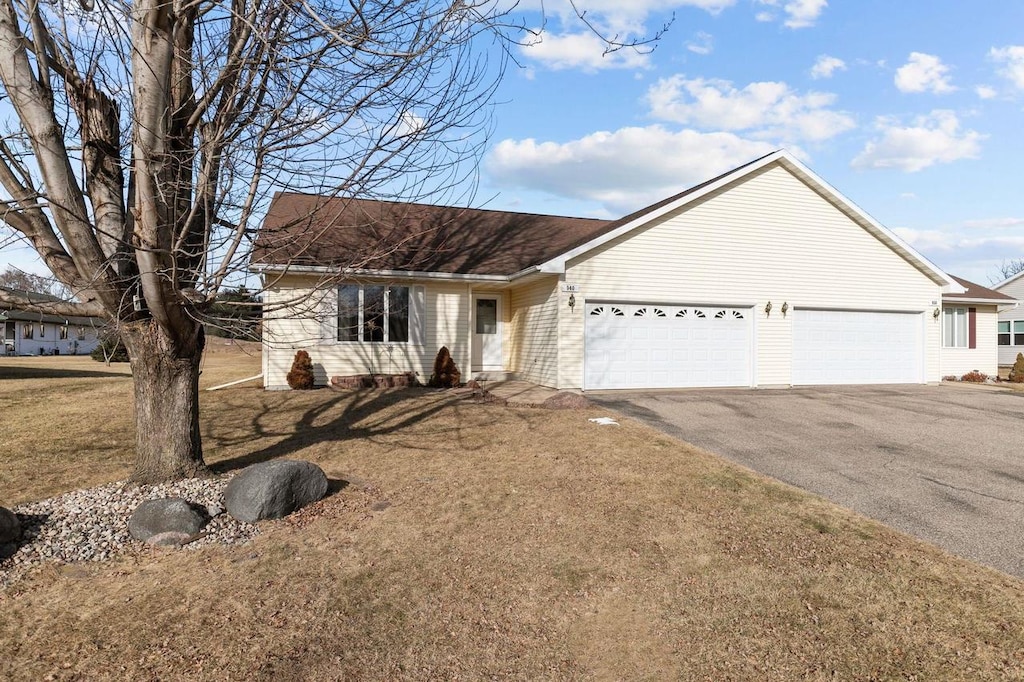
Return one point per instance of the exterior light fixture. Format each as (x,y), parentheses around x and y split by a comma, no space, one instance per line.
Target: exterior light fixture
(768,308)
(785,308)
(572,301)
(936,313)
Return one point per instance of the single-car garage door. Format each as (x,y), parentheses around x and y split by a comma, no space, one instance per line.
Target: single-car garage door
(664,346)
(857,347)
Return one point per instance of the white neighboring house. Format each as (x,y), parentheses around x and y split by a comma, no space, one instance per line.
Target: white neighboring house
(763,276)
(32,333)
(969,323)
(1011,321)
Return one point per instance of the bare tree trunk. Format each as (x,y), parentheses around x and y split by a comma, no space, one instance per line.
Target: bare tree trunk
(166,378)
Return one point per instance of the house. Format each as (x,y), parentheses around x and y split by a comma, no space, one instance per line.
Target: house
(969,322)
(763,276)
(1011,321)
(32,333)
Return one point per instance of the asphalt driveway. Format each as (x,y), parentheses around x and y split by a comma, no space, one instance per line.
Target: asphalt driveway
(944,463)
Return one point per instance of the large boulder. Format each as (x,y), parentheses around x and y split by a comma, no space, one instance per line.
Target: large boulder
(169,514)
(272,490)
(10,526)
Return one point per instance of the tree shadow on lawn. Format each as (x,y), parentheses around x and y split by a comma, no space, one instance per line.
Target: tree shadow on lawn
(22,372)
(358,407)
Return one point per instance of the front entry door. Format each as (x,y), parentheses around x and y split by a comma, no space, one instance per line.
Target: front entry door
(487,334)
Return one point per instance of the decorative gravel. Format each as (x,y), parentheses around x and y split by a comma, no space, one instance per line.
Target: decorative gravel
(92,524)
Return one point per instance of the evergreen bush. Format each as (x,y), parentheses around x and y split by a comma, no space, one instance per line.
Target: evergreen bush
(446,373)
(301,376)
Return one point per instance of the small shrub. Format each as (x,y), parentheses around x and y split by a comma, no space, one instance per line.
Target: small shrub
(301,376)
(975,377)
(951,377)
(446,373)
(110,350)
(1017,372)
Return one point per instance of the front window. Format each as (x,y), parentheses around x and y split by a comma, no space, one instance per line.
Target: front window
(1018,332)
(27,331)
(1004,333)
(373,313)
(63,333)
(42,330)
(954,327)
(81,333)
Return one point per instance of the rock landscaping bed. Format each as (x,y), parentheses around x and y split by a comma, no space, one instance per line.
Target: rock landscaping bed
(96,524)
(92,524)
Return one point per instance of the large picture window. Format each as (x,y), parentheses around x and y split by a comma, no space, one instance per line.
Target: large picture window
(954,327)
(373,313)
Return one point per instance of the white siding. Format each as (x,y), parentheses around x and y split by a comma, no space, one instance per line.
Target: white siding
(984,358)
(301,326)
(47,342)
(534,332)
(767,238)
(1008,354)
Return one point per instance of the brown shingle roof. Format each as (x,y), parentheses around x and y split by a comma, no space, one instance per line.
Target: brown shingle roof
(304,229)
(977,292)
(310,230)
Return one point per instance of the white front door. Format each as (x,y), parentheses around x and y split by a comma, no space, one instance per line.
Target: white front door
(487,334)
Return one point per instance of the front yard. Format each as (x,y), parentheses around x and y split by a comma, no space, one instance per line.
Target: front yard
(476,541)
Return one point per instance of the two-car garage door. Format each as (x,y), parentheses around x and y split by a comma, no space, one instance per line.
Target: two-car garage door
(663,346)
(659,346)
(857,347)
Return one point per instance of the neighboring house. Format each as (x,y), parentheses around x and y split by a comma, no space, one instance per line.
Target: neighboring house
(969,323)
(763,276)
(31,333)
(1011,321)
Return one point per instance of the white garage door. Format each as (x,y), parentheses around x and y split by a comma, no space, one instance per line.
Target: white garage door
(857,347)
(659,346)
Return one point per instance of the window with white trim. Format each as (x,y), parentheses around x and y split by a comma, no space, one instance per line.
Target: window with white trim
(373,313)
(954,327)
(1004,333)
(28,330)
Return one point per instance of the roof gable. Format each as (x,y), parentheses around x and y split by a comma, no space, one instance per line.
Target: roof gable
(645,216)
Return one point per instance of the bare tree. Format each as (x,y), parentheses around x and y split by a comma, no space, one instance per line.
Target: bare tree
(1008,269)
(147,138)
(29,282)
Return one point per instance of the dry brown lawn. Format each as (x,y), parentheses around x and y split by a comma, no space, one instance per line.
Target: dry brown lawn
(483,542)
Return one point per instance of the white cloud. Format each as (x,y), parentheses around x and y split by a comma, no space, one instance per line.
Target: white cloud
(994,223)
(826,66)
(566,43)
(799,13)
(923,73)
(702,44)
(1012,60)
(935,138)
(769,110)
(985,92)
(624,169)
(910,196)
(584,51)
(927,240)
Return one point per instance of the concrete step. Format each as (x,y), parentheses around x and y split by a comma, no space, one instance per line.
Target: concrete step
(494,376)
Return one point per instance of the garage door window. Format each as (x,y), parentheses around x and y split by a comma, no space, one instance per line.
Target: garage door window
(954,327)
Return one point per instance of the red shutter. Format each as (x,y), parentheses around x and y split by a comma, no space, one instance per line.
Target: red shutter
(972,333)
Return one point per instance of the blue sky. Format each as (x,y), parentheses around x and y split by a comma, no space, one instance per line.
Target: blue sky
(913,110)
